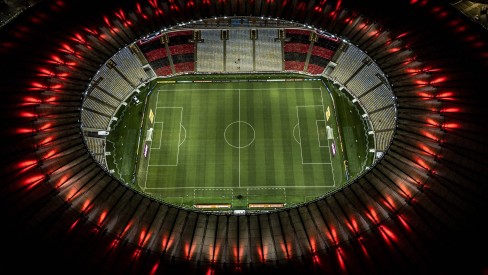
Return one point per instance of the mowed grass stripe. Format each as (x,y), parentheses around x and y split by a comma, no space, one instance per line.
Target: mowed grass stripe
(323,172)
(268,141)
(259,156)
(155,173)
(307,115)
(210,127)
(277,137)
(292,157)
(220,144)
(229,114)
(319,153)
(186,158)
(174,121)
(235,162)
(248,175)
(247,161)
(302,100)
(192,146)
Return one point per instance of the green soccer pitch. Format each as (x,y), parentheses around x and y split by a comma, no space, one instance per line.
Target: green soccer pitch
(239,142)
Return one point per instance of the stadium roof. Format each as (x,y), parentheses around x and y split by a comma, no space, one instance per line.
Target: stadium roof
(421,209)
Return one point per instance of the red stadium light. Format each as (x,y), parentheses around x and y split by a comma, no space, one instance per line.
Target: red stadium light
(168,244)
(46,72)
(429,135)
(36,86)
(316,259)
(283,248)
(384,235)
(438,80)
(187,250)
(71,194)
(85,206)
(31,100)
(126,229)
(65,48)
(27,165)
(139,11)
(388,233)
(425,95)
(73,225)
(45,126)
(422,164)
(445,95)
(61,181)
(137,252)
(107,22)
(121,15)
(450,125)
(421,82)
(51,99)
(25,131)
(403,34)
(313,244)
(154,269)
(80,39)
(404,222)
(340,258)
(350,226)
(426,149)
(155,5)
(363,247)
(215,252)
(44,141)
(388,202)
(333,236)
(190,251)
(103,215)
(49,154)
(32,181)
(432,122)
(56,60)
(114,243)
(173,6)
(261,255)
(28,114)
(143,237)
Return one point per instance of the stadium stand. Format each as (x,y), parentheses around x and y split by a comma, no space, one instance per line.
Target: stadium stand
(239,51)
(182,51)
(269,52)
(296,47)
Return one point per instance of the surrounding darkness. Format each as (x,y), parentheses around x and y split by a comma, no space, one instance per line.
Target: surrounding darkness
(464,249)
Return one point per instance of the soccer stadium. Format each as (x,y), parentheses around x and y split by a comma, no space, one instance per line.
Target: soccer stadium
(244,137)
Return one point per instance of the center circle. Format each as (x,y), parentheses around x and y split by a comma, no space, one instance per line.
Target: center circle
(239,134)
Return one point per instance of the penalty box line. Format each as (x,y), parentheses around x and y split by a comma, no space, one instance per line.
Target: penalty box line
(179,136)
(144,186)
(300,137)
(328,143)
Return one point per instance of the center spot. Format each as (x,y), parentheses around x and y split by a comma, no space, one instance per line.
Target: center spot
(239,134)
